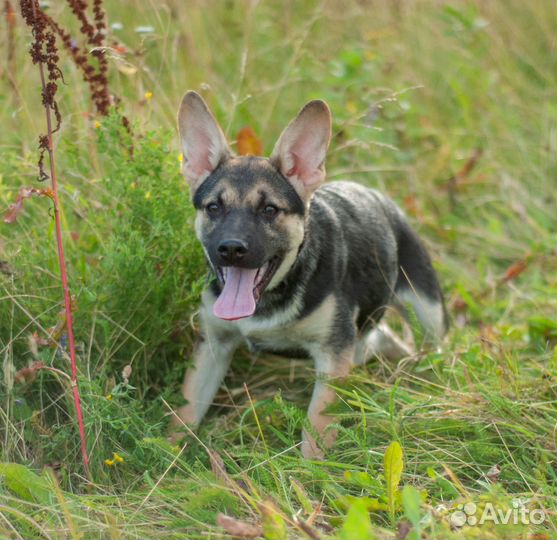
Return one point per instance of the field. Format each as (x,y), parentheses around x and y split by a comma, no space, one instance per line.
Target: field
(448,107)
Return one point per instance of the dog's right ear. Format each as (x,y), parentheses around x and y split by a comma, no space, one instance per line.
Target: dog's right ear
(203,143)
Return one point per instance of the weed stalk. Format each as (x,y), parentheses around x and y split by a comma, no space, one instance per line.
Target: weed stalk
(48,90)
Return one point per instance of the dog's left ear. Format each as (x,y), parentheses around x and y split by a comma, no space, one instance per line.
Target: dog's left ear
(204,145)
(299,153)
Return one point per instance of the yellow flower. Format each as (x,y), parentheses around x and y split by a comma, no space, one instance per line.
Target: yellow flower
(370,55)
(180,157)
(351,107)
(148,195)
(148,96)
(97,124)
(109,397)
(116,458)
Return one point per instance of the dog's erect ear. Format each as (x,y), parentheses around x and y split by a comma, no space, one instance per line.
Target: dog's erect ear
(300,151)
(203,142)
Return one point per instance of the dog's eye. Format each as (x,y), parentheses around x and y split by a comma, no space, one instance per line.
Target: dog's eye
(213,209)
(270,210)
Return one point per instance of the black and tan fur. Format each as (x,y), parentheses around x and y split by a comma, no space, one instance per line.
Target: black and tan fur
(343,253)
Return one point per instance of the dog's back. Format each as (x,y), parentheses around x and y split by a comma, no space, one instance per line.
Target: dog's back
(360,247)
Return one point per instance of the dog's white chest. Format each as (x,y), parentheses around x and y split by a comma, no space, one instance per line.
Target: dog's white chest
(285,331)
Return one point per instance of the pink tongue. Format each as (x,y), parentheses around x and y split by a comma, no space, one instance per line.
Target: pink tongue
(236,299)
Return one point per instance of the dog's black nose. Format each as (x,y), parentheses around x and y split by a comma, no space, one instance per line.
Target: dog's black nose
(232,251)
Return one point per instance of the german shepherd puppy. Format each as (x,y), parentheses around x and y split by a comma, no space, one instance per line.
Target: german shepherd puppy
(297,266)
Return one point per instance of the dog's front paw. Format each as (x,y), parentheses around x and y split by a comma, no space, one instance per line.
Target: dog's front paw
(175,435)
(309,447)
(182,423)
(176,432)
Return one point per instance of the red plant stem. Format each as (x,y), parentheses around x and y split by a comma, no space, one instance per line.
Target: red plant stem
(64,276)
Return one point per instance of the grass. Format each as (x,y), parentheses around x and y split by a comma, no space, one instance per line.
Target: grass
(415,89)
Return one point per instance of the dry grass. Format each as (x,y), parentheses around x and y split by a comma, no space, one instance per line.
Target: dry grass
(415,88)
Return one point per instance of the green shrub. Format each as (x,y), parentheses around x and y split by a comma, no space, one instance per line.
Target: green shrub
(136,272)
(149,273)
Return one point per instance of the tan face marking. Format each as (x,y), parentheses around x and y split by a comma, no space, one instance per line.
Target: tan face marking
(224,192)
(262,192)
(293,227)
(229,195)
(200,224)
(256,194)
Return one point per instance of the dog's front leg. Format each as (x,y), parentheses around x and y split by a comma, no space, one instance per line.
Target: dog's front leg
(211,361)
(329,367)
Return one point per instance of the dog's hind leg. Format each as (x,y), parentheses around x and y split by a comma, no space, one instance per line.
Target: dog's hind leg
(430,313)
(381,341)
(417,286)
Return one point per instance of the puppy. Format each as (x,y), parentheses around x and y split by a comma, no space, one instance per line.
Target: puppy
(298,267)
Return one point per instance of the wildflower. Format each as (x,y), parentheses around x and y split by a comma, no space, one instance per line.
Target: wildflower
(180,157)
(109,397)
(351,107)
(370,55)
(144,29)
(148,96)
(148,195)
(97,124)
(126,373)
(116,458)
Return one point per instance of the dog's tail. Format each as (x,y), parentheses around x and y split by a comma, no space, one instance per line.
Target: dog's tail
(417,286)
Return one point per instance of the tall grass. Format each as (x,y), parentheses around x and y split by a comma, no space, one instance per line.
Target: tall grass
(415,89)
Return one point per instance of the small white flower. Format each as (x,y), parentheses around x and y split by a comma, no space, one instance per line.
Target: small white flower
(144,29)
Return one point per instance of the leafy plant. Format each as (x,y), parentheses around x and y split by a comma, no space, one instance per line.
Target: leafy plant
(393,464)
(357,523)
(411,502)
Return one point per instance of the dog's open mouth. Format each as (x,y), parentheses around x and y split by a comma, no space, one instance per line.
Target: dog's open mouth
(242,288)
